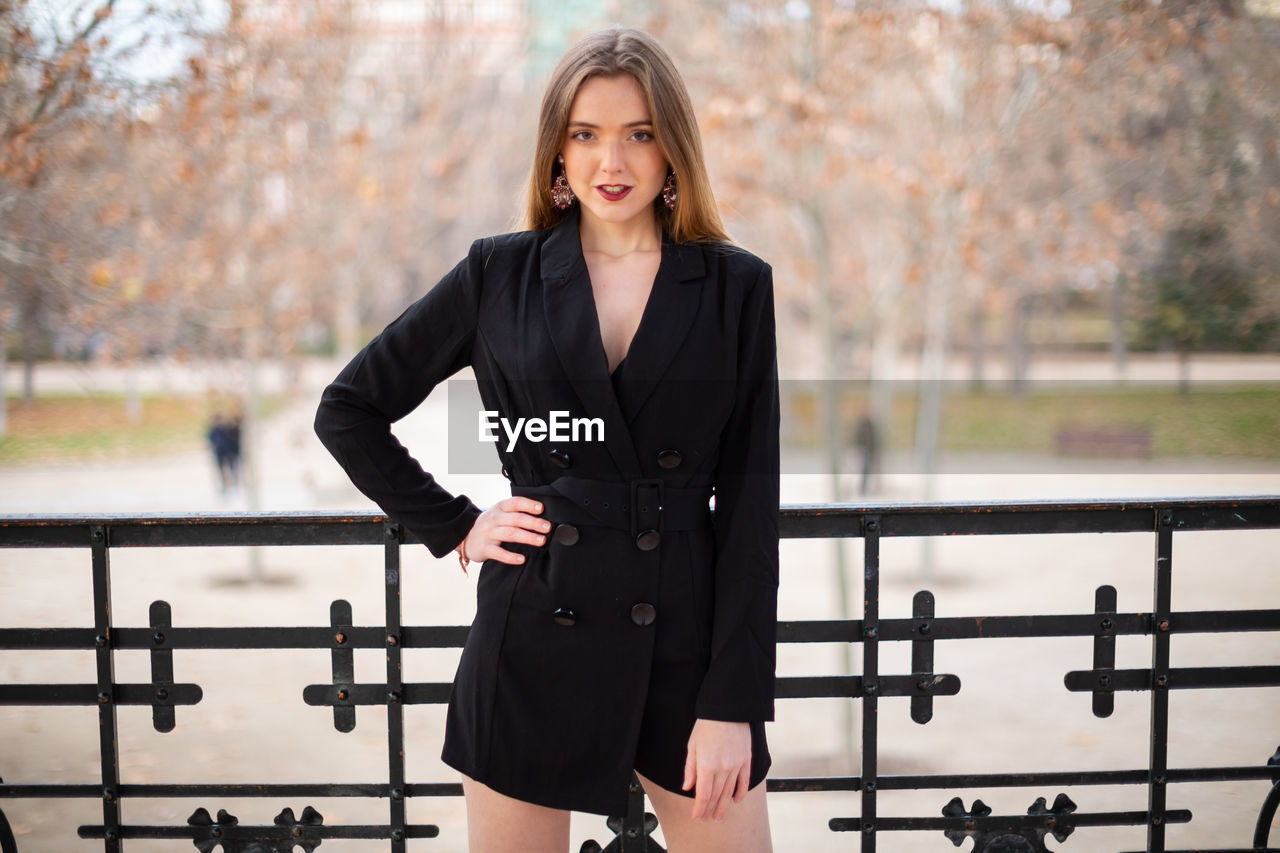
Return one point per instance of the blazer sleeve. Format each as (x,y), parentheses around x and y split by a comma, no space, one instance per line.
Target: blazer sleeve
(388,379)
(739,684)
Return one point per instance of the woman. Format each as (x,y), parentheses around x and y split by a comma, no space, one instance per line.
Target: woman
(618,627)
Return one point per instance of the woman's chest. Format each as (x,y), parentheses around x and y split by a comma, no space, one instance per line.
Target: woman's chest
(674,331)
(541,349)
(621,290)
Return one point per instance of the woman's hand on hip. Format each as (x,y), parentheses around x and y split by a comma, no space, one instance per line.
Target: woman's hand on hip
(513,519)
(719,765)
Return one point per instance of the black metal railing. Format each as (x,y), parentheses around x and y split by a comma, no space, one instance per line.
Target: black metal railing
(872,523)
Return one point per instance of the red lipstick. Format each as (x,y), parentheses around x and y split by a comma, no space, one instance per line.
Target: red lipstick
(613,196)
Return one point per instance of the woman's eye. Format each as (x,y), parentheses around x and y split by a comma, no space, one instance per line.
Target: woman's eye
(642,136)
(582,135)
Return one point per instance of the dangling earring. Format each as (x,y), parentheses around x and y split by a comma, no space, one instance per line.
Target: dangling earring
(561,195)
(669,194)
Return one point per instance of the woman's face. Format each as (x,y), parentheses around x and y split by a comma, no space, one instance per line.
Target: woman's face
(611,156)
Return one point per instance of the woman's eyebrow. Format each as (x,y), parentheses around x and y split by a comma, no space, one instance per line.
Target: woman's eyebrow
(588,124)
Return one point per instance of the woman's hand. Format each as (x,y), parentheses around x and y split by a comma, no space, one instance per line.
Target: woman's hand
(513,519)
(719,764)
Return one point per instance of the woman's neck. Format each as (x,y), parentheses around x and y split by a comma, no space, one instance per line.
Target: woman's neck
(618,239)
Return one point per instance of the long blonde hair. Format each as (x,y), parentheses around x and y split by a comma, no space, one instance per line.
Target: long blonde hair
(608,53)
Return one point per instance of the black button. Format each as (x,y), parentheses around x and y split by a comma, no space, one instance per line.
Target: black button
(643,614)
(669,458)
(648,540)
(560,458)
(564,616)
(565,534)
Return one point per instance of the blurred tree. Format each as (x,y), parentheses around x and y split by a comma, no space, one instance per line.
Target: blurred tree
(1184,110)
(314,171)
(934,172)
(315,168)
(1199,297)
(60,96)
(39,89)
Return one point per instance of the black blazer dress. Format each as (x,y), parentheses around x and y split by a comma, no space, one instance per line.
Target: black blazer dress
(642,612)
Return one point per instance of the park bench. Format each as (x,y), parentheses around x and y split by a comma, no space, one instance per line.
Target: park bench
(1096,439)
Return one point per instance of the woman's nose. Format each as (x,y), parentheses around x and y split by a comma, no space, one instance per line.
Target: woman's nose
(611,159)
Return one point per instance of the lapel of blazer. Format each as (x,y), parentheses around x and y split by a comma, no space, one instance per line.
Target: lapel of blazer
(575,332)
(574,327)
(667,320)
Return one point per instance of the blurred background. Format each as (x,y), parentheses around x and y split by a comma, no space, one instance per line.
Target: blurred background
(961,200)
(1022,249)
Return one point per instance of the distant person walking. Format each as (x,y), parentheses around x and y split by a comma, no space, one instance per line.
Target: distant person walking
(224,439)
(866,437)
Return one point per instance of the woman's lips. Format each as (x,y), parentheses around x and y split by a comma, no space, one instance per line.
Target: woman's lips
(613,192)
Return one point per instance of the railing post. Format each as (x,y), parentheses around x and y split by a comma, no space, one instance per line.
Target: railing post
(1162,606)
(870,676)
(108,738)
(395,688)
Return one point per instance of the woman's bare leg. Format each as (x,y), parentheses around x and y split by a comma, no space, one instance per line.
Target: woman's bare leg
(497,823)
(745,828)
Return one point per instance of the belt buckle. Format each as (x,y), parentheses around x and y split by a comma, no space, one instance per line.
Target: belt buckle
(651,490)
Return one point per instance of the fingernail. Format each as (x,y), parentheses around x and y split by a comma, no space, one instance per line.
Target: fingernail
(542,540)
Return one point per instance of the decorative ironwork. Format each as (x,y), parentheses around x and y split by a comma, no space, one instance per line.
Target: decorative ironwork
(1011,835)
(633,833)
(619,843)
(1267,815)
(922,630)
(286,833)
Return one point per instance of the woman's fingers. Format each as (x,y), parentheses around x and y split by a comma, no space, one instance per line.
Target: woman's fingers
(502,555)
(744,783)
(519,514)
(718,763)
(702,794)
(508,533)
(717,802)
(519,505)
(714,793)
(510,520)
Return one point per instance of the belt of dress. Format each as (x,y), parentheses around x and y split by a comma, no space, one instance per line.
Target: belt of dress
(645,508)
